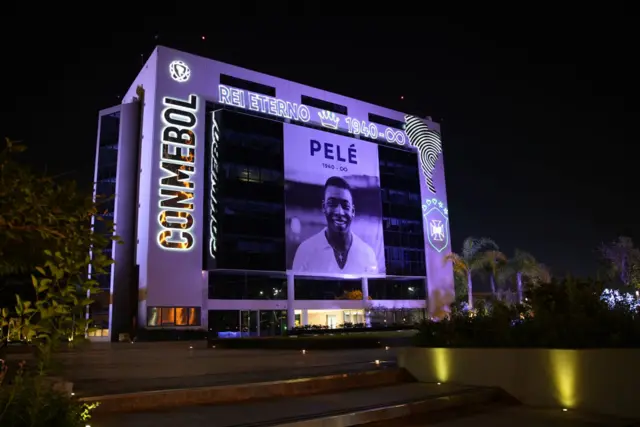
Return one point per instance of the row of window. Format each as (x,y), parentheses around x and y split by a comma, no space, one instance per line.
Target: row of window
(241,285)
(247,323)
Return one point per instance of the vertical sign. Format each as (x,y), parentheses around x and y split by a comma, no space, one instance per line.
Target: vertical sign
(435,214)
(213,136)
(178,165)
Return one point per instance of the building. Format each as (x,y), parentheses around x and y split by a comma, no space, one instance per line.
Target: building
(248,203)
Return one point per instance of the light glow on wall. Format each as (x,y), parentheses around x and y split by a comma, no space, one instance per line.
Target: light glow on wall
(178,165)
(442,364)
(566,373)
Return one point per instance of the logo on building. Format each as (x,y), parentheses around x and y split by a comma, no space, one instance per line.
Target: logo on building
(436,216)
(429,145)
(179,71)
(329,119)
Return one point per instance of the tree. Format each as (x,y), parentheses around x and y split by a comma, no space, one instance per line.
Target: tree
(493,261)
(48,233)
(32,210)
(623,260)
(470,260)
(521,266)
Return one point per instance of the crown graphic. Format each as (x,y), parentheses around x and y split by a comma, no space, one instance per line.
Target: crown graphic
(328,119)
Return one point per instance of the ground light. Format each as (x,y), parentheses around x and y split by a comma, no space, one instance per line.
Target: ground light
(304,351)
(564,409)
(377,362)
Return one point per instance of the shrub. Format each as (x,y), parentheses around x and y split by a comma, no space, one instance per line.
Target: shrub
(567,314)
(33,400)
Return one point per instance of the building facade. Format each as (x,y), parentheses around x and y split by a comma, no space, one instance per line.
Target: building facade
(248,205)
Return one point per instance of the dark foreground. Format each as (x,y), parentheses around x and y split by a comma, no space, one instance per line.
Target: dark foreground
(117,369)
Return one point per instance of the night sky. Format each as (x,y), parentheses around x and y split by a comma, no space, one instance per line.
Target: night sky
(536,115)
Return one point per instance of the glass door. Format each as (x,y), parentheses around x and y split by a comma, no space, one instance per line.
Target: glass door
(331,321)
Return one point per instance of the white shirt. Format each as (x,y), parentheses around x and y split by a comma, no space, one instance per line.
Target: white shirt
(315,255)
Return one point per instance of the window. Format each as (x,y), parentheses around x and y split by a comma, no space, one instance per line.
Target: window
(321,288)
(324,105)
(402,213)
(242,285)
(250,194)
(397,288)
(239,83)
(173,316)
(386,121)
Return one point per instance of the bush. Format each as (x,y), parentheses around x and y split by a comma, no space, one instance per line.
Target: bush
(567,314)
(33,400)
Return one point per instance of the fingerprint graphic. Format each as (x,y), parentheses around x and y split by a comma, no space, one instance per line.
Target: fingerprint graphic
(428,143)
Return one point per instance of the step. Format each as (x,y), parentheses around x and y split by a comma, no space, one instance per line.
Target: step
(119,385)
(233,393)
(346,408)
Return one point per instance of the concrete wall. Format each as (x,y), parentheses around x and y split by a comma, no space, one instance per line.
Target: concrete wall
(601,381)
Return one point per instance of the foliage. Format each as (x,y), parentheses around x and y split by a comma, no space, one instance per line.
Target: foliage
(623,261)
(614,298)
(526,270)
(34,401)
(353,295)
(567,314)
(530,269)
(46,229)
(470,260)
(54,234)
(34,213)
(492,261)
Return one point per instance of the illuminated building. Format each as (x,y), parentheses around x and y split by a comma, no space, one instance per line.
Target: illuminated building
(219,178)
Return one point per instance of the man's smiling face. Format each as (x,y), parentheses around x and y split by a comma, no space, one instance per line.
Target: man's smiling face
(338,209)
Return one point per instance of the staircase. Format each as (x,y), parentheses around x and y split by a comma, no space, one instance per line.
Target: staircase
(384,395)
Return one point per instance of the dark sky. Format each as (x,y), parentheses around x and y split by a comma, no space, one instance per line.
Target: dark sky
(536,113)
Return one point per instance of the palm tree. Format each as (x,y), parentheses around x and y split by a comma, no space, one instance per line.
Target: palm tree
(493,261)
(623,259)
(524,265)
(469,260)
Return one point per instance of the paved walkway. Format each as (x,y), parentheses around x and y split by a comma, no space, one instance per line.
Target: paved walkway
(105,368)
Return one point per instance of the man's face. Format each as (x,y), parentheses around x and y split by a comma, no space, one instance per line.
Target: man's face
(338,209)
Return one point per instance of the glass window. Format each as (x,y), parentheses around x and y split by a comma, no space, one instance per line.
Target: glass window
(243,285)
(322,288)
(402,213)
(250,193)
(397,288)
(173,316)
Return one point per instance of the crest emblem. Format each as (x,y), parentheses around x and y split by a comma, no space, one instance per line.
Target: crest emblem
(179,71)
(436,217)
